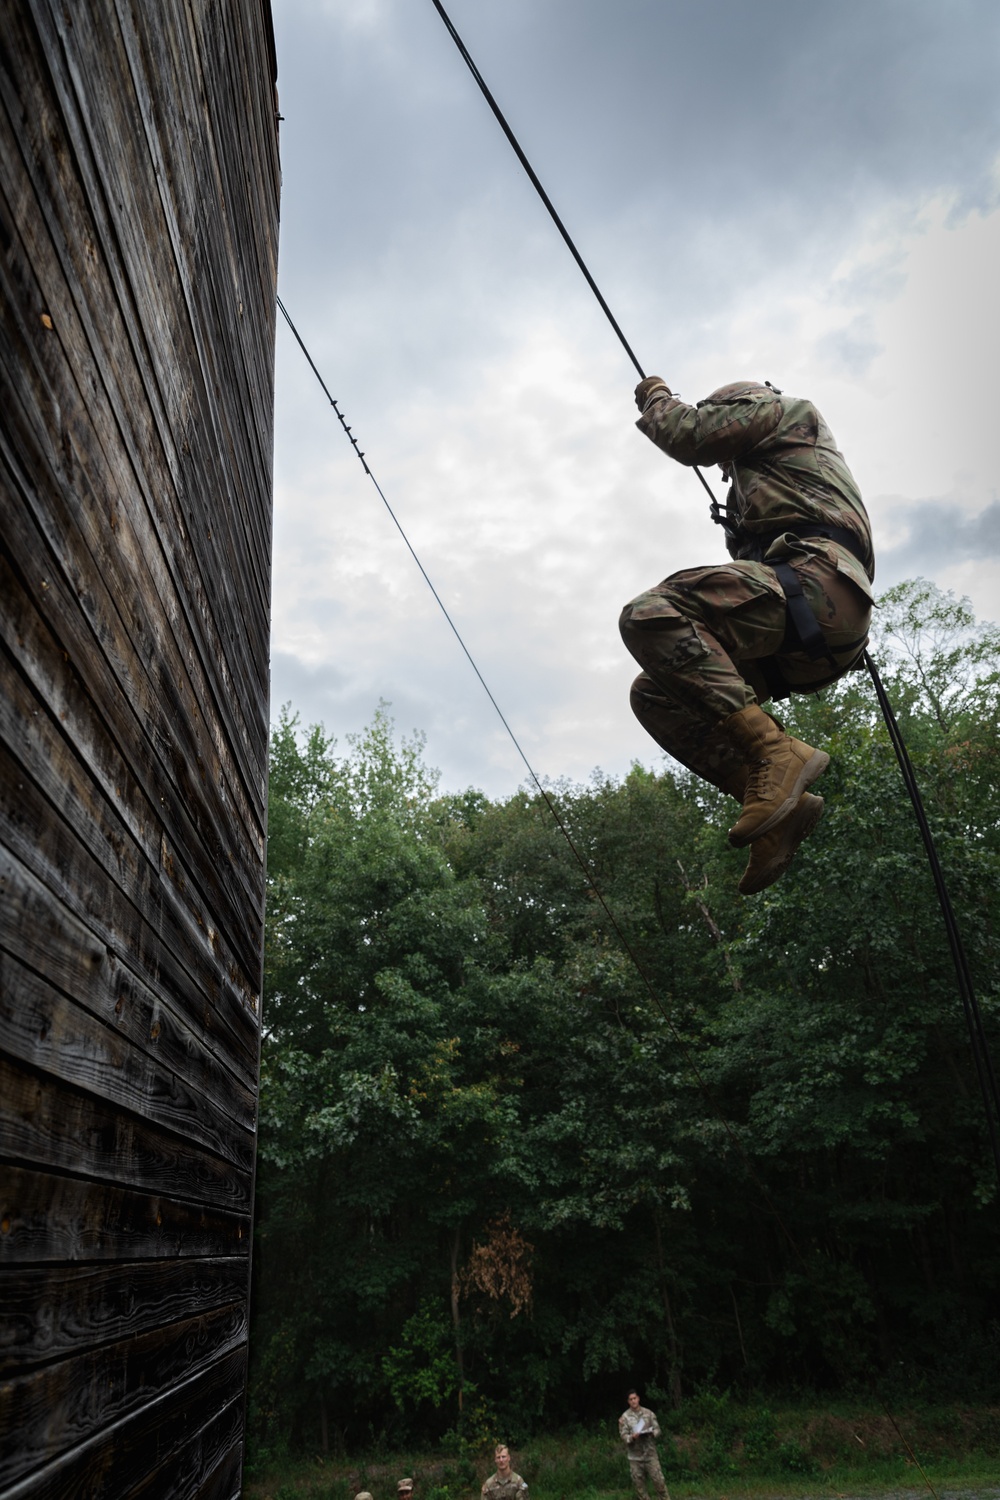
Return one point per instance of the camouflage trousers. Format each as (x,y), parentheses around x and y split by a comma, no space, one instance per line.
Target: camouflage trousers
(647,1468)
(699,637)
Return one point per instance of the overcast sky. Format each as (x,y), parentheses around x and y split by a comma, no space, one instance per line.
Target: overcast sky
(805,193)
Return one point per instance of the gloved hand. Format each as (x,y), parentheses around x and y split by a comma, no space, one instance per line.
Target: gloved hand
(643,389)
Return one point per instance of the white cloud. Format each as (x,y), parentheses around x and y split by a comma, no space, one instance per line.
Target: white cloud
(494,401)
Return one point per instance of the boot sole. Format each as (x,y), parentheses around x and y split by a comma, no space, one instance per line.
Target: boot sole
(811,771)
(776,867)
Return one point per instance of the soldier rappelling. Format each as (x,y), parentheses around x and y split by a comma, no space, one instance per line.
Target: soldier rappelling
(789,614)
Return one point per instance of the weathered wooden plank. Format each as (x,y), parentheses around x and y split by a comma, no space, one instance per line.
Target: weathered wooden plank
(145,902)
(138,233)
(224,1482)
(95,851)
(78,950)
(91,333)
(156,709)
(194,799)
(165,1450)
(157,53)
(107,1050)
(138,214)
(44,1124)
(54,721)
(45,1218)
(212,68)
(50,1312)
(54,1409)
(195,779)
(113,131)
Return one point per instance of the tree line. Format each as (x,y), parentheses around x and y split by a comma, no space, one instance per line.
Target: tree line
(503,1174)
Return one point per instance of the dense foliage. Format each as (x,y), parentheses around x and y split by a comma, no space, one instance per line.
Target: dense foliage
(500,1176)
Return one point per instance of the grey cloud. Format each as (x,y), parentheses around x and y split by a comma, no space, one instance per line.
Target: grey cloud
(727,109)
(709,158)
(939,534)
(693,150)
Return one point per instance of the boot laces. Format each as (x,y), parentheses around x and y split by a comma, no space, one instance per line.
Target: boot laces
(759,781)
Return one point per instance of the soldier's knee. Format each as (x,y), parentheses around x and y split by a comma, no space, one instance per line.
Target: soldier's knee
(642,693)
(661,638)
(650,609)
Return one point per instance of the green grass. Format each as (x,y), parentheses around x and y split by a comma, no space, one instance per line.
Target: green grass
(714,1448)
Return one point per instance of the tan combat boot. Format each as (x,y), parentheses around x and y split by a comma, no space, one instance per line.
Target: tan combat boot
(773,852)
(780,767)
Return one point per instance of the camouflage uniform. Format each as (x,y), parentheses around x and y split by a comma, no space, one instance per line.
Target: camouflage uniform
(642,1457)
(505,1487)
(700,635)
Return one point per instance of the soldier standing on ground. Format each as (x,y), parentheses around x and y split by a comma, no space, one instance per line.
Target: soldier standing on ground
(639,1429)
(504,1484)
(790,613)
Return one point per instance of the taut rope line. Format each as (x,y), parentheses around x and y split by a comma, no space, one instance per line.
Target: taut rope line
(977,1036)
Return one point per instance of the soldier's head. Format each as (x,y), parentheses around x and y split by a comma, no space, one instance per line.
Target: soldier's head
(404,1489)
(501,1455)
(735,390)
(633,1400)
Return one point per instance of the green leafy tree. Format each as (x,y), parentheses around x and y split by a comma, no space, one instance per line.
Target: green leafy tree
(507,1166)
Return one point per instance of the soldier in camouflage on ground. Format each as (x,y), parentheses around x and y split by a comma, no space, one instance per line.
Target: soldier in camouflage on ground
(639,1429)
(504,1484)
(716,642)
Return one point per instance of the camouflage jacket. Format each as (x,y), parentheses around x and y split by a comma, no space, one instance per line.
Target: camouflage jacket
(505,1487)
(645,1444)
(783,468)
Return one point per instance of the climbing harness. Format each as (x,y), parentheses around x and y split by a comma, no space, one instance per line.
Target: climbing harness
(798,610)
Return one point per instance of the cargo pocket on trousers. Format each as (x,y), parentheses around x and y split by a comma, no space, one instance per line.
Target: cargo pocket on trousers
(677,640)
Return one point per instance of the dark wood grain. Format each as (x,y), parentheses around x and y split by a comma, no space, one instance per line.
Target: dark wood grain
(45,1217)
(45,935)
(103,541)
(53,1409)
(140,282)
(52,1312)
(126,1048)
(166,1449)
(47,1124)
(139,182)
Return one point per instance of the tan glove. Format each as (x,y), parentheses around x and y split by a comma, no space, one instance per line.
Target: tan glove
(645,388)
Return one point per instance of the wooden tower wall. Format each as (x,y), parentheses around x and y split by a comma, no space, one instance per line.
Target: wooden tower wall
(138,213)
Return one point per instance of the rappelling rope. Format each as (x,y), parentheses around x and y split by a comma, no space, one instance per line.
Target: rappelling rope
(588,874)
(557,816)
(970,1004)
(973,1015)
(977,1036)
(536,184)
(543,792)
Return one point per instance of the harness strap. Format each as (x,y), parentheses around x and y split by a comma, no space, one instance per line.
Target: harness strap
(802,633)
(802,622)
(777,687)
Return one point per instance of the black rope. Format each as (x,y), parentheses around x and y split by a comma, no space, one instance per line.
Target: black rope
(980,1047)
(696,1073)
(973,1015)
(553,809)
(560,822)
(526,164)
